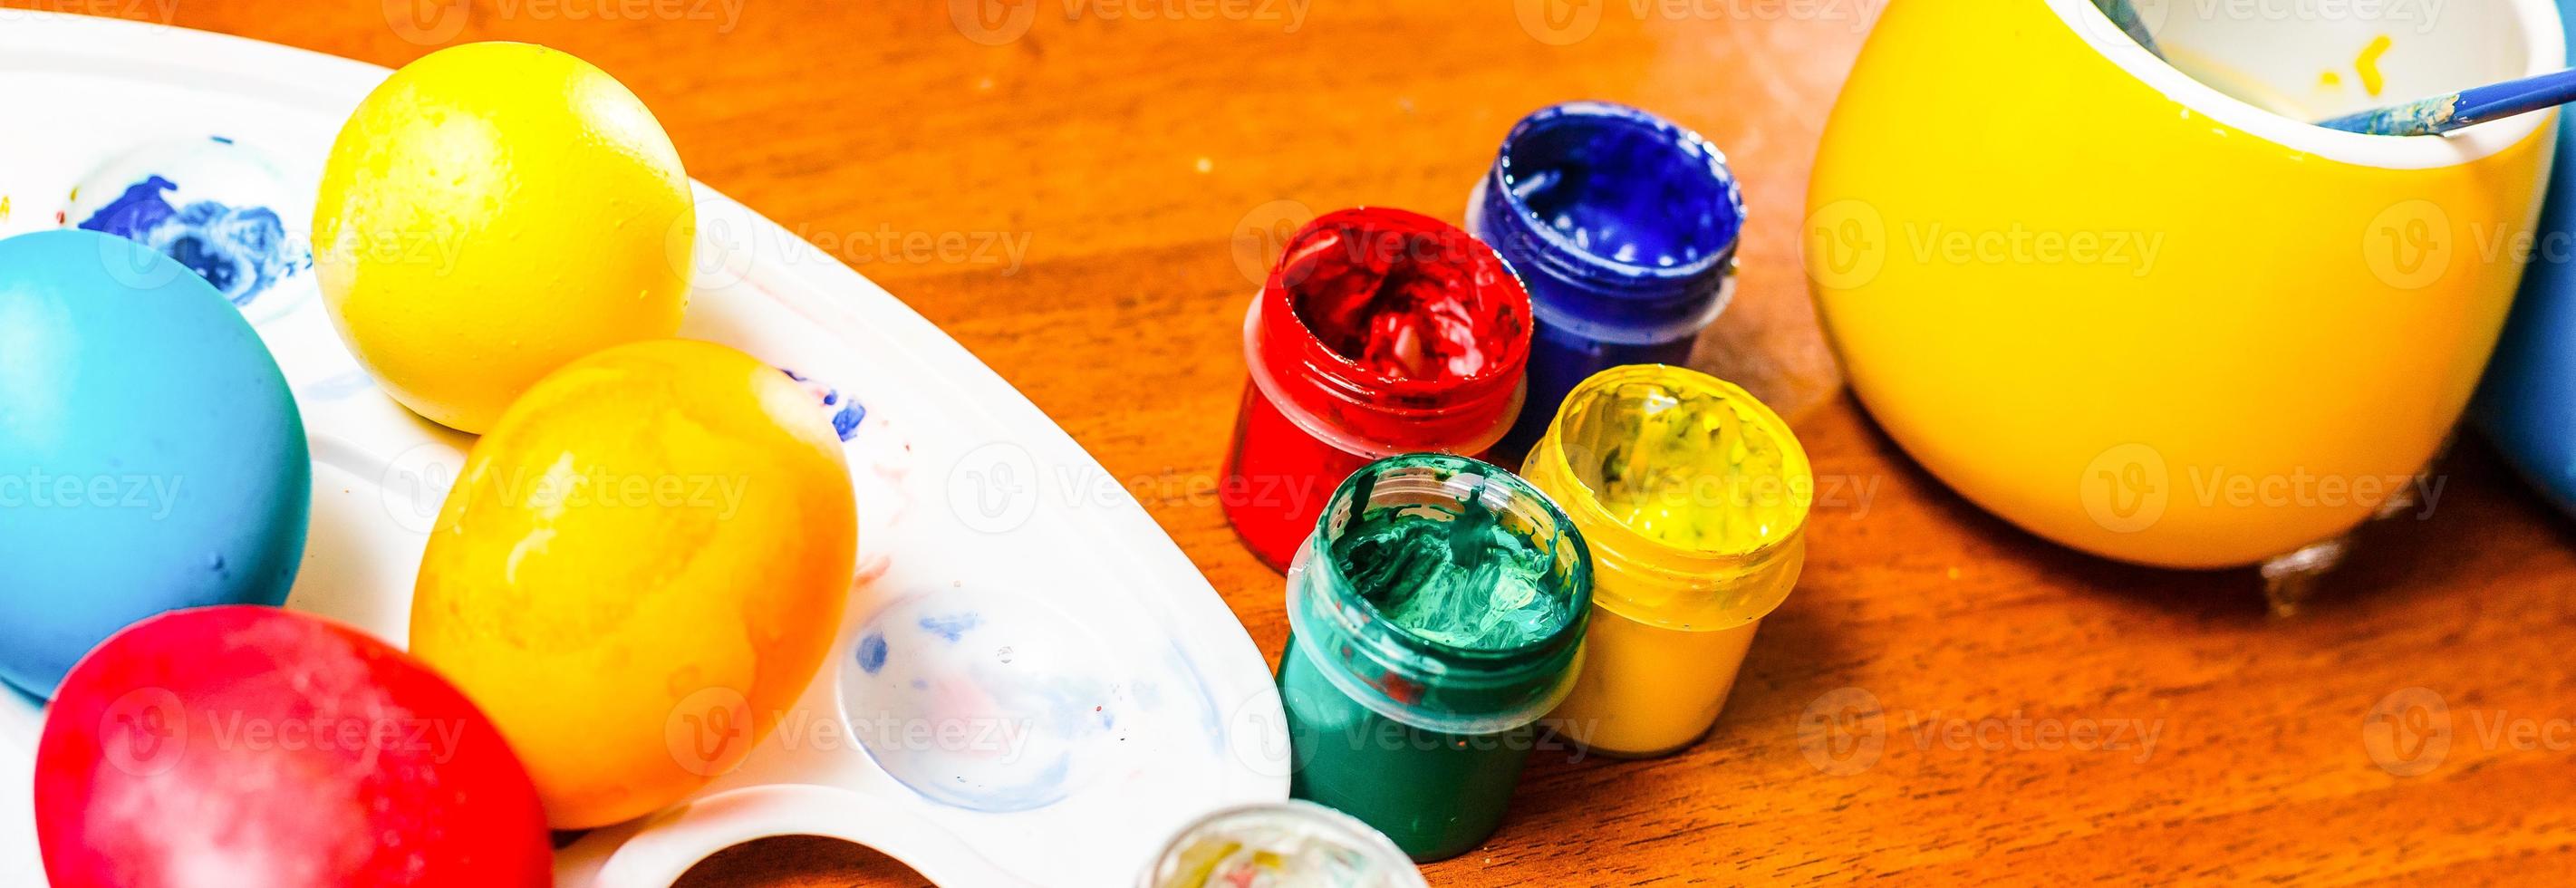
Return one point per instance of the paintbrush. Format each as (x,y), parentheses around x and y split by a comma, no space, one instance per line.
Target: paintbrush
(2468,107)
(2126,16)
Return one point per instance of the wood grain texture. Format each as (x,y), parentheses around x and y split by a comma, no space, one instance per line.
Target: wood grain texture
(1138,164)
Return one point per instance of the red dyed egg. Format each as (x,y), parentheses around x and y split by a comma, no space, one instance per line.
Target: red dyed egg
(253,746)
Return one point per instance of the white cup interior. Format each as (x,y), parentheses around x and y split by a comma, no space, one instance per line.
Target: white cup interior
(2273,67)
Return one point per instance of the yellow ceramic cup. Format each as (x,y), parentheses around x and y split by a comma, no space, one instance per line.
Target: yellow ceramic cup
(2152,321)
(1692,496)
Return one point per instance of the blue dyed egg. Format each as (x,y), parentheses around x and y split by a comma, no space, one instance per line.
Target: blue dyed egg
(151,456)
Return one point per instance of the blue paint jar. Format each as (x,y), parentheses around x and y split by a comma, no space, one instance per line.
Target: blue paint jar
(1624,227)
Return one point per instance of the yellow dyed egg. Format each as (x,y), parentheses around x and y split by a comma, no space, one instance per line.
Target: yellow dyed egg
(490,212)
(639,569)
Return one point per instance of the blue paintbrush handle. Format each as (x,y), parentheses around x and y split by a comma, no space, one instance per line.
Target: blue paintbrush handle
(2126,16)
(2468,107)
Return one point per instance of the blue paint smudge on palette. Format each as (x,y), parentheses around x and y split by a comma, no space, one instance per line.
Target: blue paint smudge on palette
(847,412)
(1027,703)
(872,652)
(216,207)
(243,251)
(337,387)
(953,627)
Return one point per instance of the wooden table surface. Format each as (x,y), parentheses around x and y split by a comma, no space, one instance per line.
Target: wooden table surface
(1977,705)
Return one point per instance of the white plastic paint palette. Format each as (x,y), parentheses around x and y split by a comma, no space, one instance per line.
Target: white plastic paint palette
(1026,691)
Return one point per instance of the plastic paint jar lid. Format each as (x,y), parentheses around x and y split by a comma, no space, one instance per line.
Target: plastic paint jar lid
(1624,224)
(1692,493)
(1410,675)
(1291,844)
(1465,387)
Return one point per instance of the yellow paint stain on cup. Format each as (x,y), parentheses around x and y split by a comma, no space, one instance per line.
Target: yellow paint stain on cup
(1693,497)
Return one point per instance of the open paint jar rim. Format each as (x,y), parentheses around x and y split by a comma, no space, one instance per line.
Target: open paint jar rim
(1568,256)
(1413,678)
(1516,494)
(1350,380)
(2538,35)
(1607,532)
(1372,849)
(1432,432)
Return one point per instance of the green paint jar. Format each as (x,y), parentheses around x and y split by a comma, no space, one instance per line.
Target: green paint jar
(1435,614)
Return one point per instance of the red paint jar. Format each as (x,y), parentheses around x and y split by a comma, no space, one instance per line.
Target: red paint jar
(1380,332)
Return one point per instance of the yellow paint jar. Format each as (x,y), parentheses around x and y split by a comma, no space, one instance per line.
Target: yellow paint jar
(1693,496)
